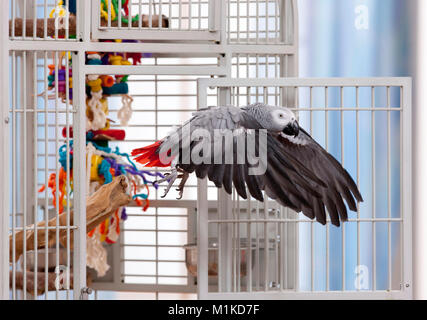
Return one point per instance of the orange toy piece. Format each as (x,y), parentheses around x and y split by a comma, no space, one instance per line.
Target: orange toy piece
(51,68)
(107,81)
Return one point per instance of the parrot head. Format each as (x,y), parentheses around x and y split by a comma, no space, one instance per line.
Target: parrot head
(285,120)
(274,118)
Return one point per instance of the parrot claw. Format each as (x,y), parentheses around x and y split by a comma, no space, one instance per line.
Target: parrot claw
(166,178)
(184,177)
(171,177)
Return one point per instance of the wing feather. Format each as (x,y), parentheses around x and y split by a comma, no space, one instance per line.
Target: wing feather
(227,179)
(239,180)
(340,185)
(300,174)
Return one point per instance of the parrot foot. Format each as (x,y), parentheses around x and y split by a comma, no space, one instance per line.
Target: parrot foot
(184,177)
(170,177)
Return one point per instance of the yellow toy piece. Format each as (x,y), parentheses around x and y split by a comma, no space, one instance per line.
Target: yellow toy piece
(116,60)
(94,164)
(107,125)
(95,85)
(119,61)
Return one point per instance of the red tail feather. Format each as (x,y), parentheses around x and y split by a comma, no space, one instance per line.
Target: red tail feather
(149,157)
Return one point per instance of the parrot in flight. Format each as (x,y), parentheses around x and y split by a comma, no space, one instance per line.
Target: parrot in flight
(298,173)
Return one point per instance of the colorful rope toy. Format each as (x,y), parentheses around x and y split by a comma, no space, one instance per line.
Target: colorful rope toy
(103,163)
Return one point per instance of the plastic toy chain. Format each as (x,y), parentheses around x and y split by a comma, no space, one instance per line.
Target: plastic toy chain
(125,113)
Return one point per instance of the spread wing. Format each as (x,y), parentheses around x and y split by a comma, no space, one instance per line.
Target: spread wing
(339,184)
(298,174)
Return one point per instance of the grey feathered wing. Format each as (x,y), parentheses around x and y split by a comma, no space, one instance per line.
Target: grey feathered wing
(340,185)
(304,178)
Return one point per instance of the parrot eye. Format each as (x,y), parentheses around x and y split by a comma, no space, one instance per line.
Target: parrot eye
(280,115)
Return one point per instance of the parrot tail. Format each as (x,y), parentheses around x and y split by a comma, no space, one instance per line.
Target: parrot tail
(149,156)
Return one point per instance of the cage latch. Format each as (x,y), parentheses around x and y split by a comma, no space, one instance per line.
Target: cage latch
(85,292)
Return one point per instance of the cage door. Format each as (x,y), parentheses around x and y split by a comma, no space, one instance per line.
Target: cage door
(46,202)
(253,250)
(170,20)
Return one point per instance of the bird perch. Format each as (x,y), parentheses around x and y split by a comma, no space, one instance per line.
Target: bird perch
(50,26)
(40,279)
(99,206)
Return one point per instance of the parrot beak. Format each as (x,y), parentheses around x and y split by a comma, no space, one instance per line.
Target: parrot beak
(292,129)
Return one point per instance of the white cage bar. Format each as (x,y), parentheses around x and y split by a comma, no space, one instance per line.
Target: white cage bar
(342,97)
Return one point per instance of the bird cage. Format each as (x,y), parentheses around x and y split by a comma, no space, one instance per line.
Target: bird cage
(195,53)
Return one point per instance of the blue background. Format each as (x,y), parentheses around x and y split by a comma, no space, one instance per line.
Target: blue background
(332,46)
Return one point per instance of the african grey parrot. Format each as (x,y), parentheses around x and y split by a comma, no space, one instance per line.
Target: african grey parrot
(299,173)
